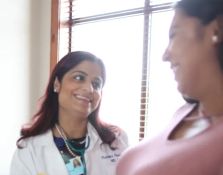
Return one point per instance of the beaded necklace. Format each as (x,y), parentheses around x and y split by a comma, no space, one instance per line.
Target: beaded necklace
(64,139)
(71,149)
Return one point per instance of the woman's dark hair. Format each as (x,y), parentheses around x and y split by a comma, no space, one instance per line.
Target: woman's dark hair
(206,11)
(47,115)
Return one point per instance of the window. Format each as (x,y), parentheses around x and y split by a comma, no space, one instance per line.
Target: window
(130,37)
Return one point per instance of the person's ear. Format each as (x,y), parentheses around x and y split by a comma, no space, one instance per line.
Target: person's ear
(56,86)
(217,32)
(215,39)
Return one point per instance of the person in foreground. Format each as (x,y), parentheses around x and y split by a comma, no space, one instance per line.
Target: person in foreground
(66,136)
(192,144)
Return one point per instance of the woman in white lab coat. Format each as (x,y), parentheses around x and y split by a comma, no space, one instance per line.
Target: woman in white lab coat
(66,136)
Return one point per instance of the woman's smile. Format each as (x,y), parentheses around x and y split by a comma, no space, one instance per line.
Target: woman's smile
(83,99)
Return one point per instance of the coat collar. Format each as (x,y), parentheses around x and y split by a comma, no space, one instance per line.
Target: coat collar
(46,139)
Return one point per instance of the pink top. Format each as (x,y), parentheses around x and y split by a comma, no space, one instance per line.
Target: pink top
(199,155)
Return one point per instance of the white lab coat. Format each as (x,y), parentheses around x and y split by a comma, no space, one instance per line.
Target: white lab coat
(40,156)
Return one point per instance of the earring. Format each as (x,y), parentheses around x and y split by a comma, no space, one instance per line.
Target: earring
(214,38)
(55,90)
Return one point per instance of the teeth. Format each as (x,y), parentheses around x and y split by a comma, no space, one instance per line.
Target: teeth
(83,98)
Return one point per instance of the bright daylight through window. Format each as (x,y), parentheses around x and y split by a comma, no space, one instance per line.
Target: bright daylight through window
(130,37)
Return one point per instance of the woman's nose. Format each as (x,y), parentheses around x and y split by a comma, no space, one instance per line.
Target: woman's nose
(88,86)
(166,55)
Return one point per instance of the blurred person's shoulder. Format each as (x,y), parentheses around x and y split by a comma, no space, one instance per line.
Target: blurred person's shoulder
(185,109)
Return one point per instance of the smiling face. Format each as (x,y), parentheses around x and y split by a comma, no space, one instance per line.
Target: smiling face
(190,52)
(79,92)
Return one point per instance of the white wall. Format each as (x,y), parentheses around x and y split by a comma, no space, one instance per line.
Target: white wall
(24,67)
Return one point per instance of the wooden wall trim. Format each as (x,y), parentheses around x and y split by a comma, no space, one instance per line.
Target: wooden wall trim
(55,17)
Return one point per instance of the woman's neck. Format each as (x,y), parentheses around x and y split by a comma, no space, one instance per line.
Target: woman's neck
(73,125)
(73,129)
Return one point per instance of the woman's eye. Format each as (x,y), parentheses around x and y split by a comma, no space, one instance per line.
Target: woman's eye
(79,77)
(172,34)
(97,84)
